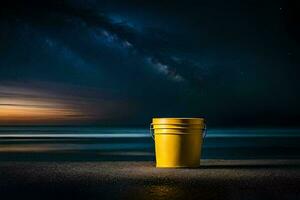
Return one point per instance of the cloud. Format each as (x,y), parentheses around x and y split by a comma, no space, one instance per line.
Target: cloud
(45,105)
(113,31)
(164,69)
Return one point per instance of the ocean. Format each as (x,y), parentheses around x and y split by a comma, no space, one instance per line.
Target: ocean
(109,144)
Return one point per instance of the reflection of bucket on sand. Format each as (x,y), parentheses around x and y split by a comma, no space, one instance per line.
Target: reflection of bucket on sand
(178,141)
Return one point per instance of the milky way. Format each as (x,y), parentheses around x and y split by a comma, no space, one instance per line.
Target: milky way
(123,63)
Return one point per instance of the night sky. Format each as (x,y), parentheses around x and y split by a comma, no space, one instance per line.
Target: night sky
(236,63)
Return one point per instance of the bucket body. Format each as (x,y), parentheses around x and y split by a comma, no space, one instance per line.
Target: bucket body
(178,141)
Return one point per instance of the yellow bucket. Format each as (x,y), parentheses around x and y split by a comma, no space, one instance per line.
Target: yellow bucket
(178,141)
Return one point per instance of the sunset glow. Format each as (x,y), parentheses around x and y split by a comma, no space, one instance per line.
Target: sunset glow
(14,111)
(36,105)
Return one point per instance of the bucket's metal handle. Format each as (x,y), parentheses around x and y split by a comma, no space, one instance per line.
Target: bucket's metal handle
(204,131)
(151,131)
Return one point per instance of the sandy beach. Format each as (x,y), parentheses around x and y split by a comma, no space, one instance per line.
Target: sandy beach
(215,179)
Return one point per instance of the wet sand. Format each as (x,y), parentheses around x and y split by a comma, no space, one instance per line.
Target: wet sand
(215,179)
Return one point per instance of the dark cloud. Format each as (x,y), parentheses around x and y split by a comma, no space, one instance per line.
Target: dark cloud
(225,61)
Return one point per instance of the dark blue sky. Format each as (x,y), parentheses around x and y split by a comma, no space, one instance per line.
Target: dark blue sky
(235,63)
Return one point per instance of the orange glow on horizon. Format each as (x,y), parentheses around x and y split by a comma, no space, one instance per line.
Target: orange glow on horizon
(23,105)
(25,111)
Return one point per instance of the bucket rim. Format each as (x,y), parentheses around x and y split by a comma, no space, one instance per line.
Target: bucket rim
(178,133)
(178,120)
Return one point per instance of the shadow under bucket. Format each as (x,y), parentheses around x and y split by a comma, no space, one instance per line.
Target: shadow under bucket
(178,141)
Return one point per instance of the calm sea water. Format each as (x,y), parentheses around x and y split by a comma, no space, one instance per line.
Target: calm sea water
(93,143)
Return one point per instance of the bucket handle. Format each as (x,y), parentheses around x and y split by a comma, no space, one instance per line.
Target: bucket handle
(204,131)
(152,132)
